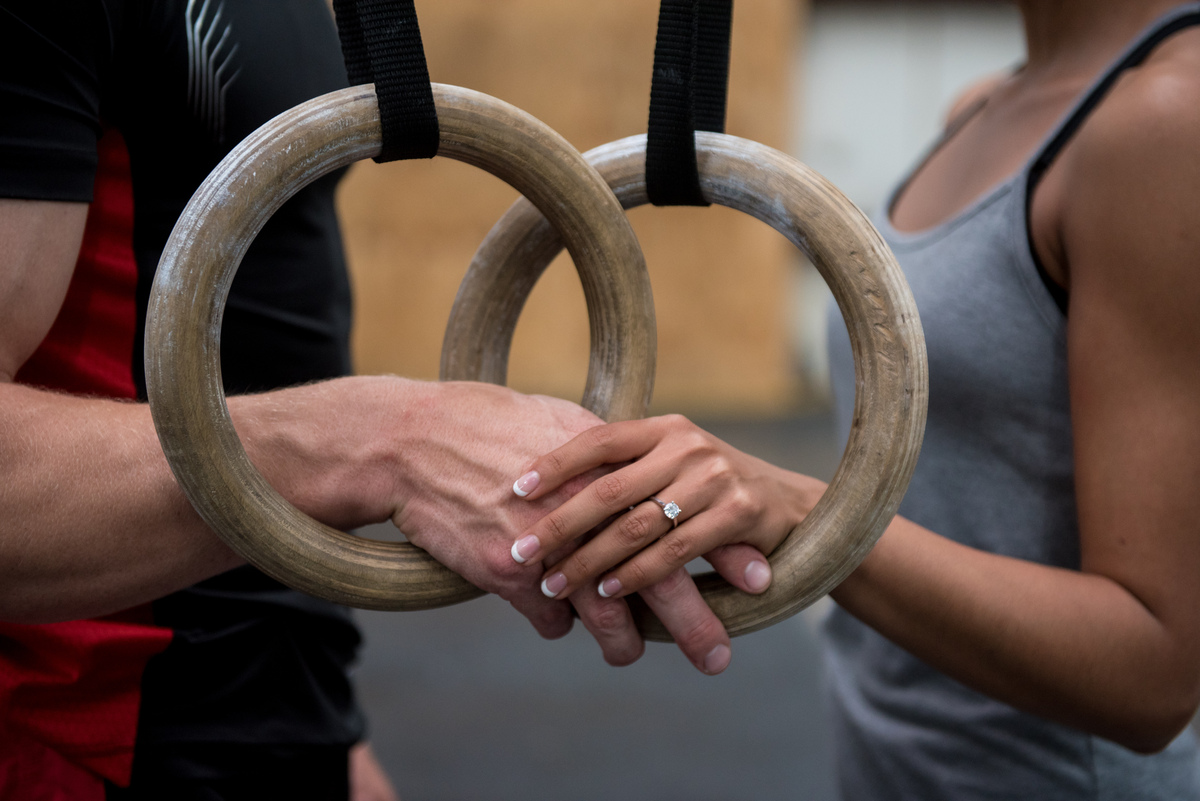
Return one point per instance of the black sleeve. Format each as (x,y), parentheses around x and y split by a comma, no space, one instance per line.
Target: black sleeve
(53,56)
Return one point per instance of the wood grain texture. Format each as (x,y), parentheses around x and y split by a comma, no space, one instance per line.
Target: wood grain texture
(891,378)
(201,258)
(724,284)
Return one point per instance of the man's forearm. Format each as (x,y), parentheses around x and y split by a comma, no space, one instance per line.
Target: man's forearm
(94,521)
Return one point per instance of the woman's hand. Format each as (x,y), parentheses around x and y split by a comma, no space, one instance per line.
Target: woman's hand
(721,497)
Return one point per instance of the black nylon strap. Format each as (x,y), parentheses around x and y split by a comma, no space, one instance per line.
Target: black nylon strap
(711,57)
(687,94)
(381,44)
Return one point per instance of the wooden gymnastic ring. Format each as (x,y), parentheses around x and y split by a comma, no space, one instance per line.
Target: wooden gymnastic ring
(885,333)
(183,370)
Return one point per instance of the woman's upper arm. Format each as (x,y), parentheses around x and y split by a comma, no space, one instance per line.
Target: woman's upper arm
(1131,233)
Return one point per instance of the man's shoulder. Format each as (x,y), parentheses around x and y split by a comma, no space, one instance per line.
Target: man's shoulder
(52,60)
(76,27)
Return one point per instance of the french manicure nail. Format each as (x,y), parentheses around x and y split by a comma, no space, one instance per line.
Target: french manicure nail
(609,587)
(525,547)
(553,585)
(758,576)
(526,483)
(717,660)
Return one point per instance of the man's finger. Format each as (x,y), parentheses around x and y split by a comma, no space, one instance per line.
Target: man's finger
(551,619)
(697,631)
(741,565)
(609,621)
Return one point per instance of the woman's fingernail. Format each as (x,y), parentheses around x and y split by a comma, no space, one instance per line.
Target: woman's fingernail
(758,576)
(609,587)
(525,547)
(717,660)
(553,585)
(526,483)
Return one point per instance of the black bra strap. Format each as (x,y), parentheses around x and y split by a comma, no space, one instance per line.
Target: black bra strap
(1133,58)
(1137,54)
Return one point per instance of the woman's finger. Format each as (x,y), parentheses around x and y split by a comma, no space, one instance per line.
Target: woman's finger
(652,564)
(629,533)
(601,445)
(605,497)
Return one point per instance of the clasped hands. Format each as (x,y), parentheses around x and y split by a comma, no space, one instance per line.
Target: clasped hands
(577,528)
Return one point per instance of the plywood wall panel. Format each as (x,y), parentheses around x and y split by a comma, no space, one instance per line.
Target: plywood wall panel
(584,68)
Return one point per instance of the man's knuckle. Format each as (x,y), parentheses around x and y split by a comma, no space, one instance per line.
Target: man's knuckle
(501,565)
(552,623)
(609,619)
(701,633)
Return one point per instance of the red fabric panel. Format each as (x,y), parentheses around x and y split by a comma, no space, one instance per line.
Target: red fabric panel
(90,347)
(29,771)
(75,687)
(70,692)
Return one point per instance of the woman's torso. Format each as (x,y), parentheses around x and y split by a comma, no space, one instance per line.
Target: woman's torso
(996,472)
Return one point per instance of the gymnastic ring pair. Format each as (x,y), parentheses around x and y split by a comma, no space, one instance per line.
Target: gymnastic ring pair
(567,199)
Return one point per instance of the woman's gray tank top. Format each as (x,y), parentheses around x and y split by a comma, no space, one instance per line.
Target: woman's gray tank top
(996,472)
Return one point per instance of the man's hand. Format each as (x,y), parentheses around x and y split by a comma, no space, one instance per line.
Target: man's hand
(368,782)
(464,443)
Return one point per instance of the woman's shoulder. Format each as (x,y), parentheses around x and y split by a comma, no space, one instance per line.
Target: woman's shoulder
(1131,183)
(1153,111)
